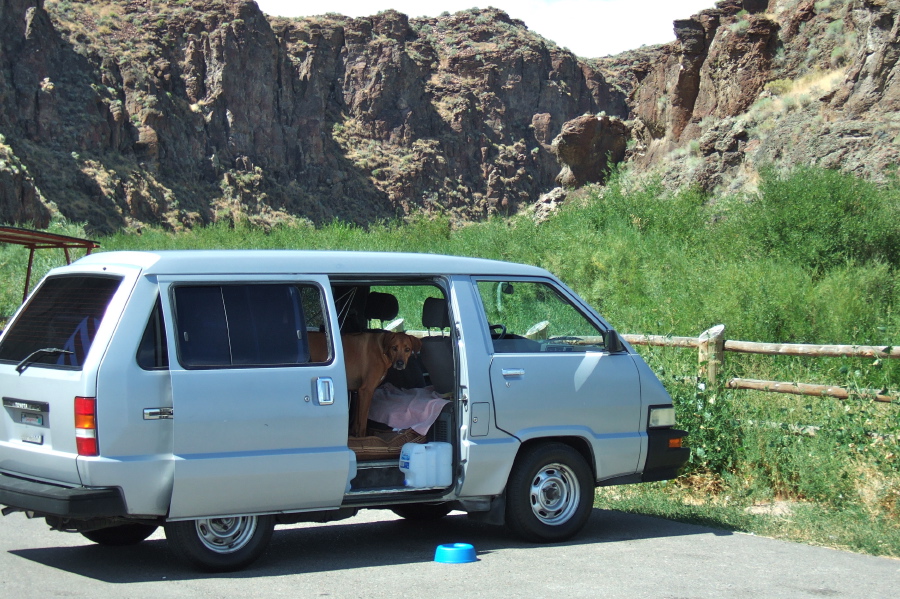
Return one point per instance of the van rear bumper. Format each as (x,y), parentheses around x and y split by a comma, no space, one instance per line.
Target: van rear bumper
(51,500)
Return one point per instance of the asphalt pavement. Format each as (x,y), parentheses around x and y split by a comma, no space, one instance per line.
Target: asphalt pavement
(376,555)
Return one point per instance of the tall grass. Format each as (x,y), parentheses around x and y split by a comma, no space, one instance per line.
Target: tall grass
(812,258)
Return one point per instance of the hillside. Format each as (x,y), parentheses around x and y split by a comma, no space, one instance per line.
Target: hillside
(123,114)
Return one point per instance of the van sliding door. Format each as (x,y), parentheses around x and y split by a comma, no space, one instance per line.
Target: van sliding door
(260,424)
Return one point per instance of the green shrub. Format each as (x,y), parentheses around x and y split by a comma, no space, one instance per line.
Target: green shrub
(779,87)
(818,219)
(740,27)
(835,29)
(714,434)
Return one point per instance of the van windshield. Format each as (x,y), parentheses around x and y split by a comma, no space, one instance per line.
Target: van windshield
(62,316)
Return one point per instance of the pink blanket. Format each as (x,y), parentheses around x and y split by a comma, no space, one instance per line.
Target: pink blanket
(406,408)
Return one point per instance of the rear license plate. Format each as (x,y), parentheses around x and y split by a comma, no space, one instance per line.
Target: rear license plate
(36,439)
(35,419)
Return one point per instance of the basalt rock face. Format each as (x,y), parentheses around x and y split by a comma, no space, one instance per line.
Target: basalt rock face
(872,79)
(750,84)
(132,112)
(713,70)
(588,147)
(136,112)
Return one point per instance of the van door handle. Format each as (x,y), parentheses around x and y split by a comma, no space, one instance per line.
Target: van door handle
(324,391)
(159,413)
(512,372)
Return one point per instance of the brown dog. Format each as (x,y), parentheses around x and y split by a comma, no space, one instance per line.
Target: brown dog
(367,358)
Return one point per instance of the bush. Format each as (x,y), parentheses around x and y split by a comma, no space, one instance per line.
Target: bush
(779,87)
(818,219)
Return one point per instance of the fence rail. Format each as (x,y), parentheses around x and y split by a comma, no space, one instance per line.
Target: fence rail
(797,349)
(661,340)
(712,345)
(809,389)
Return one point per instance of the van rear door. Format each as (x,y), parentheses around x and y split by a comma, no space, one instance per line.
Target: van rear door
(49,355)
(260,425)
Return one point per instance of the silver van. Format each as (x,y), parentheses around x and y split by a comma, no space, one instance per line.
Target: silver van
(184,389)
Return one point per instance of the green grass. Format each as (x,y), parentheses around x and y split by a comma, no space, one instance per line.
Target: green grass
(852,528)
(812,258)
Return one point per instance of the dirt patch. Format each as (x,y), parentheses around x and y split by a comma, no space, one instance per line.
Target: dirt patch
(775,508)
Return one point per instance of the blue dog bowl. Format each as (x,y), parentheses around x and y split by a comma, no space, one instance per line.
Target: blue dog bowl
(455,553)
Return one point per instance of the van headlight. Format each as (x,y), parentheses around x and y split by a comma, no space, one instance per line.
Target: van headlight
(661,417)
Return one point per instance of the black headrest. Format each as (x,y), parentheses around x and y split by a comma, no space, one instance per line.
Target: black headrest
(381,306)
(434,314)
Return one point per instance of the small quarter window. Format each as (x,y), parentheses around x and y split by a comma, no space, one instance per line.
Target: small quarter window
(153,351)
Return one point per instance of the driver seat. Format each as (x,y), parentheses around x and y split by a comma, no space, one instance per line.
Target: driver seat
(437,350)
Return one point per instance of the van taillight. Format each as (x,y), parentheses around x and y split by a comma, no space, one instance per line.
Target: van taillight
(86,426)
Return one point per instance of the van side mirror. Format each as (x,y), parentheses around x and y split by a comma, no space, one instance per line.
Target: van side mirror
(613,342)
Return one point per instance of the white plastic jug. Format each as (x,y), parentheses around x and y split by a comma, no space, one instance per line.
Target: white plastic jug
(427,465)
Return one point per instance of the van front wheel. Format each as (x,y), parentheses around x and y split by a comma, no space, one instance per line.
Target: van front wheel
(549,495)
(220,544)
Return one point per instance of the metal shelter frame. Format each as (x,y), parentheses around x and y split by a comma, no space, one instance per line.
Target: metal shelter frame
(41,240)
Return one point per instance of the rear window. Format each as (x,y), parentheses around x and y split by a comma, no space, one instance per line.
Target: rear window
(62,318)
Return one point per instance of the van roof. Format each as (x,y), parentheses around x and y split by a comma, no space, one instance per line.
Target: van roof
(306,261)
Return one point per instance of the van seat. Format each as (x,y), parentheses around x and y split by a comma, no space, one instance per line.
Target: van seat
(381,306)
(437,350)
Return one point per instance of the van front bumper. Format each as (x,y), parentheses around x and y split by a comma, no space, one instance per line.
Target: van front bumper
(52,500)
(663,460)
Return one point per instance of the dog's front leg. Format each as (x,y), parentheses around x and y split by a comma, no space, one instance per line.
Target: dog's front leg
(363,403)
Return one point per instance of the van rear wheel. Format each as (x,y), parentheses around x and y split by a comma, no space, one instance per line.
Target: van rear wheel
(549,495)
(120,536)
(220,544)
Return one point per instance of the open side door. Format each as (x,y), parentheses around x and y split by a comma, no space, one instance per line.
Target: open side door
(258,425)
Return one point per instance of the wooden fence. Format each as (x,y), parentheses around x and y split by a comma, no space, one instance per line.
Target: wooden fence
(712,345)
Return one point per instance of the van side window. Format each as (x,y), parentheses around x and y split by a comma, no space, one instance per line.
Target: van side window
(153,353)
(529,316)
(244,325)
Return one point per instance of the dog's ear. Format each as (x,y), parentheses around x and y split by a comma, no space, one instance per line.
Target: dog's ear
(416,343)
(387,340)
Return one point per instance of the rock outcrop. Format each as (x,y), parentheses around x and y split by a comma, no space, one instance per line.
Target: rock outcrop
(138,111)
(121,113)
(588,147)
(755,83)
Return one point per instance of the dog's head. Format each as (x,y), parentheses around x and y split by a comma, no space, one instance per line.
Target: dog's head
(398,347)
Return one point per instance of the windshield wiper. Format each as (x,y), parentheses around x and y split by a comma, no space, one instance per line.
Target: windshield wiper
(38,354)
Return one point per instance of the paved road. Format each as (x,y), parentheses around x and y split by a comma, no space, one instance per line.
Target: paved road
(375,555)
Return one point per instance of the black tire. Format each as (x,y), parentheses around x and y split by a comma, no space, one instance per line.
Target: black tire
(550,493)
(220,544)
(120,536)
(422,512)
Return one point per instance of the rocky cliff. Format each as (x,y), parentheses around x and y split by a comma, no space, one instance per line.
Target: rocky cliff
(755,83)
(125,113)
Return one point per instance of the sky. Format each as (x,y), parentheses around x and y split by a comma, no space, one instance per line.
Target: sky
(589,28)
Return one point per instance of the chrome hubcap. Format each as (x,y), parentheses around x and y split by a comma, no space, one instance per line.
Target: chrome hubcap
(226,535)
(554,494)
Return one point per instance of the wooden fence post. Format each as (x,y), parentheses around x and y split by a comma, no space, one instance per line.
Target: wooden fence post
(712,352)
